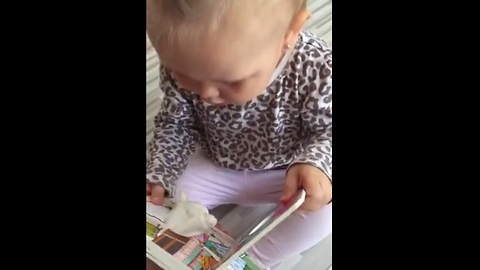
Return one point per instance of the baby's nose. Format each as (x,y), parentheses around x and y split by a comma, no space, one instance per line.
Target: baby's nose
(208,92)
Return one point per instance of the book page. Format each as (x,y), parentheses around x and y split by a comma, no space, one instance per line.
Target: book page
(170,251)
(260,228)
(158,212)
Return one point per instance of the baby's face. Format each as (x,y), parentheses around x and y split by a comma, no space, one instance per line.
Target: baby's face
(229,67)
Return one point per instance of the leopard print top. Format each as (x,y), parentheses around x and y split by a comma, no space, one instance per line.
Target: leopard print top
(291,122)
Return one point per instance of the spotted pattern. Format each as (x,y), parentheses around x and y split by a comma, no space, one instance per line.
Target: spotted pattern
(291,122)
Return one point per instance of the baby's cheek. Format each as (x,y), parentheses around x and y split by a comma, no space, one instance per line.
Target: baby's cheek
(249,93)
(188,86)
(237,96)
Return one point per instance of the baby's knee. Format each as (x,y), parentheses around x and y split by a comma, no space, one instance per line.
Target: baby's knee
(319,223)
(297,233)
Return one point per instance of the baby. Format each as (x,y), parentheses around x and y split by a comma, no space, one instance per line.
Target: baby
(247,113)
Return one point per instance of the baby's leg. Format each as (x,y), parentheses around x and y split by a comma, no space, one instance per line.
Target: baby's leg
(294,235)
(211,185)
(208,184)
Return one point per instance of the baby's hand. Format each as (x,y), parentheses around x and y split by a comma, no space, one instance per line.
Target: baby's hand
(315,183)
(155,194)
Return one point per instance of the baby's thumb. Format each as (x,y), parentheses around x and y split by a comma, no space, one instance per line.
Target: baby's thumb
(291,187)
(157,194)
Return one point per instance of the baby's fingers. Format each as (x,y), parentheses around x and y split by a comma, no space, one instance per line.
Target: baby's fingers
(310,204)
(149,191)
(157,194)
(315,195)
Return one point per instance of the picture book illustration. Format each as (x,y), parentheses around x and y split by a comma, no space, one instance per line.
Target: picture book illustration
(200,252)
(211,249)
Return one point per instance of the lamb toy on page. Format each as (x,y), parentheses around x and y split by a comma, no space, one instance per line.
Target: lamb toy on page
(189,219)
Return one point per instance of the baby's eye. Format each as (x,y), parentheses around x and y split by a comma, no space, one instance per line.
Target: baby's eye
(235,84)
(181,77)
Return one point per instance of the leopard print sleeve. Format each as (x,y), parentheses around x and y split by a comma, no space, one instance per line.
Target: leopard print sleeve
(316,117)
(174,136)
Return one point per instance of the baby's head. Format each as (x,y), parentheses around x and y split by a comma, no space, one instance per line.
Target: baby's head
(224,50)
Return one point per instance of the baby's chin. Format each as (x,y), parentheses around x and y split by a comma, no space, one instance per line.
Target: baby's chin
(239,101)
(216,102)
(226,102)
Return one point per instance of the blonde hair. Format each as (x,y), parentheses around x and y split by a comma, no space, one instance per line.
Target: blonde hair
(172,21)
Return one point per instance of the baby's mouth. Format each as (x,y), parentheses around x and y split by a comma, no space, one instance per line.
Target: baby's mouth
(216,102)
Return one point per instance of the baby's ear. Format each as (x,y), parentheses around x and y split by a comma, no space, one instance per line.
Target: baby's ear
(296,26)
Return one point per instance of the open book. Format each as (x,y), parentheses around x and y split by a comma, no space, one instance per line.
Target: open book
(213,251)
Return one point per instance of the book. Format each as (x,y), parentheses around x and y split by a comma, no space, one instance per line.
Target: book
(214,250)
